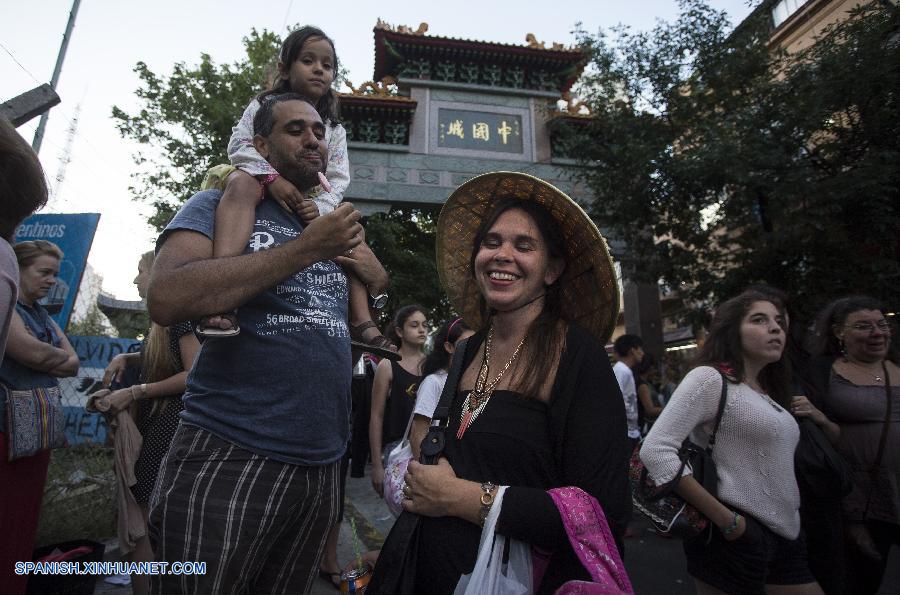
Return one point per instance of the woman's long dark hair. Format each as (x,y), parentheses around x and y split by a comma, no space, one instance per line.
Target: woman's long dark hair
(543,337)
(723,349)
(327,105)
(439,358)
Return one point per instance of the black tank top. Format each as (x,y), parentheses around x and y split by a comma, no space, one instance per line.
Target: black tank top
(509,444)
(400,403)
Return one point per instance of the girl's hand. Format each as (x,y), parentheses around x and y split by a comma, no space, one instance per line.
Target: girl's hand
(738,532)
(430,488)
(308,211)
(801,407)
(287,195)
(115,369)
(378,478)
(119,400)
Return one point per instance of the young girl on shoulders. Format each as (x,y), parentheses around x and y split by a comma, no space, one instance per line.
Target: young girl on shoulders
(307,65)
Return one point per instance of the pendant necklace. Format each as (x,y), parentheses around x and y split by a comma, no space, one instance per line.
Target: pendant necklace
(481,394)
(877,377)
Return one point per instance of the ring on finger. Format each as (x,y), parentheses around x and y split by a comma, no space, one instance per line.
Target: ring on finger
(349,252)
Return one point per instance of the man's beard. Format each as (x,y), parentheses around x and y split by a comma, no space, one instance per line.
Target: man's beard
(296,170)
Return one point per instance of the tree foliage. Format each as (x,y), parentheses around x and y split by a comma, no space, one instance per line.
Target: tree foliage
(185,121)
(724,162)
(89,325)
(129,324)
(405,243)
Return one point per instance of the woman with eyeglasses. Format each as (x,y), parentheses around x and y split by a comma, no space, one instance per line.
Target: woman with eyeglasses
(855,399)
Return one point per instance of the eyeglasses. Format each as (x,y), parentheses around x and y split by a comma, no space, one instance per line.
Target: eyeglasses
(868,327)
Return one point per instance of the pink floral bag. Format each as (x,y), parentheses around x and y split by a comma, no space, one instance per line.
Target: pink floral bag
(593,543)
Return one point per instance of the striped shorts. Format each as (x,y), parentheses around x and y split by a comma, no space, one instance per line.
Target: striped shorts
(258,524)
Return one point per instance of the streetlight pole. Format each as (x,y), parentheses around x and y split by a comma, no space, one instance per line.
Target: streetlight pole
(39,133)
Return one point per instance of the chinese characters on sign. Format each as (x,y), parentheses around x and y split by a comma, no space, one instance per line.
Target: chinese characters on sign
(479,131)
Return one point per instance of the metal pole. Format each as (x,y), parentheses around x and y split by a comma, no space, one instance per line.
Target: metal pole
(39,133)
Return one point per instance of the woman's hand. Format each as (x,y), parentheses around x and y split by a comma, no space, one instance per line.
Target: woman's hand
(431,489)
(861,538)
(119,400)
(115,369)
(378,478)
(801,407)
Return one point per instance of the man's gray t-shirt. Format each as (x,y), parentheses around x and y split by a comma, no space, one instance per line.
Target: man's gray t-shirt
(281,388)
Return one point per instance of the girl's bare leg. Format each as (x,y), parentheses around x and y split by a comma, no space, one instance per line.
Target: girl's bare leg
(235,217)
(358,310)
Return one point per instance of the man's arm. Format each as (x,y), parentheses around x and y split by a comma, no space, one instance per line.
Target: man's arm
(188,283)
(367,268)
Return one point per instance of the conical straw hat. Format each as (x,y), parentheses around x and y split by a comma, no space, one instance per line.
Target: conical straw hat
(590,294)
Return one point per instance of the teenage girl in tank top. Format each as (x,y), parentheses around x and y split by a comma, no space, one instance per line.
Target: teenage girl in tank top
(394,389)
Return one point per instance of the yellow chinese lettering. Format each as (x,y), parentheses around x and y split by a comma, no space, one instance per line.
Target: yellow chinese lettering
(456,129)
(481,131)
(504,130)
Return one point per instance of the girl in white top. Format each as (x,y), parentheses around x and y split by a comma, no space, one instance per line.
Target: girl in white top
(307,65)
(435,371)
(755,542)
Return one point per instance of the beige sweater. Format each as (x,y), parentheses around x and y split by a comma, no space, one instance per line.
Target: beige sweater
(754,451)
(127,443)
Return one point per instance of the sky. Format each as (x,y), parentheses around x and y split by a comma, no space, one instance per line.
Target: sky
(111,36)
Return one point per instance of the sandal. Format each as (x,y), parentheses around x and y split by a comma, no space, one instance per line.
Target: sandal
(206,332)
(379,346)
(329,577)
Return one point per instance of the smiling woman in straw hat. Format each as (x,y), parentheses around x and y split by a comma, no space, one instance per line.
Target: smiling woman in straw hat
(537,406)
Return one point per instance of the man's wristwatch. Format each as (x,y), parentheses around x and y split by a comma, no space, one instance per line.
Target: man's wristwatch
(377,302)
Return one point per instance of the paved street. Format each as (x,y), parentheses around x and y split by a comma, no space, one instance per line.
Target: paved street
(655,565)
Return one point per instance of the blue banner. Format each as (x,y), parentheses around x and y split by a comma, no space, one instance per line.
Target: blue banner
(74,234)
(95,354)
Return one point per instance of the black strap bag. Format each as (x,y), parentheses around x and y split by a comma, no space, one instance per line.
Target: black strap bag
(669,512)
(395,571)
(820,468)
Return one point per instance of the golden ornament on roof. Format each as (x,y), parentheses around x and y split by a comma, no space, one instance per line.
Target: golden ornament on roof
(406,30)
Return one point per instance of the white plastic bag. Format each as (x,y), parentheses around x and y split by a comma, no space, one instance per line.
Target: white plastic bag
(490,576)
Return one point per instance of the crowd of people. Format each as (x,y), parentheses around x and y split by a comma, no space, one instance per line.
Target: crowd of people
(262,291)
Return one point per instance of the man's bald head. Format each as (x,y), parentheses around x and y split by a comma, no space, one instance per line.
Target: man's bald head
(290,135)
